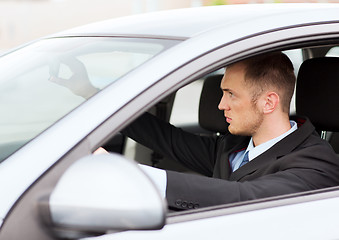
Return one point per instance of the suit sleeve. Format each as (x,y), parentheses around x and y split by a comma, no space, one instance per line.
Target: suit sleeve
(308,169)
(195,152)
(184,191)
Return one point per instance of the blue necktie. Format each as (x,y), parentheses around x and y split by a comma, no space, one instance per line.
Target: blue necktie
(244,160)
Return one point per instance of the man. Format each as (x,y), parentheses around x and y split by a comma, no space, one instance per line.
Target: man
(265,153)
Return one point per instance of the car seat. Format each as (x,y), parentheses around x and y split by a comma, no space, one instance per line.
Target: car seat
(317,96)
(210,117)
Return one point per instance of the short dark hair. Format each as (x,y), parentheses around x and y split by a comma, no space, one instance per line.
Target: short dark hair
(272,70)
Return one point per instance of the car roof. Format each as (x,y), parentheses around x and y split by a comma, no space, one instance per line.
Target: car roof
(189,22)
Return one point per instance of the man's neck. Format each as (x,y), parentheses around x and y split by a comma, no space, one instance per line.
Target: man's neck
(271,128)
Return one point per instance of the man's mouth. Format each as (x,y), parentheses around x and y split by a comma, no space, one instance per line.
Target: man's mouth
(228,119)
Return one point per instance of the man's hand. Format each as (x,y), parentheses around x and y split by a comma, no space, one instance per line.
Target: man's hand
(100,150)
(79,82)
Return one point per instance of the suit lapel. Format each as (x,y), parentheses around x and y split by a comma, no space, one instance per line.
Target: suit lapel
(223,169)
(283,147)
(265,158)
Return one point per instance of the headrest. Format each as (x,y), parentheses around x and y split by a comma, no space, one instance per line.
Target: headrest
(317,92)
(210,117)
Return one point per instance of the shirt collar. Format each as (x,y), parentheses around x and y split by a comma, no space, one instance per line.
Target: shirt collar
(254,152)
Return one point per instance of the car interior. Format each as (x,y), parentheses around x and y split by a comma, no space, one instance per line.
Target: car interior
(314,81)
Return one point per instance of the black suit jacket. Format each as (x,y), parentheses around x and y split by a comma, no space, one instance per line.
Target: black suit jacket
(299,162)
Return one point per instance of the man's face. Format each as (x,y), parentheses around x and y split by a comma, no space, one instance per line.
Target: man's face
(243,115)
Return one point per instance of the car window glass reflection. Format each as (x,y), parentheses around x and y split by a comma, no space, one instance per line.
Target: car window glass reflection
(40,83)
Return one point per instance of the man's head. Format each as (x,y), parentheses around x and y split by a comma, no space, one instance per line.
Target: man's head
(254,88)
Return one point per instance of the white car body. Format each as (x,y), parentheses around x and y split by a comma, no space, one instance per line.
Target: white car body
(208,38)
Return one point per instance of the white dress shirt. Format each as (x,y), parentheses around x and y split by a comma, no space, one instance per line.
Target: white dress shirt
(253,152)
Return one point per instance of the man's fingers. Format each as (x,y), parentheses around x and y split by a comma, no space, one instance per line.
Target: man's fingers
(60,81)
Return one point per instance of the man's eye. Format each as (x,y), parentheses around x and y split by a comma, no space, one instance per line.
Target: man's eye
(230,94)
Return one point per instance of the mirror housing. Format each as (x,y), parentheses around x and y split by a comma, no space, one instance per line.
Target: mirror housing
(101,193)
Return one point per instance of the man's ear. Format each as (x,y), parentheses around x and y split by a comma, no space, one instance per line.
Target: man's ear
(271,102)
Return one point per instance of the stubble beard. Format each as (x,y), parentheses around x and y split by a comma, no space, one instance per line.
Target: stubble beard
(250,124)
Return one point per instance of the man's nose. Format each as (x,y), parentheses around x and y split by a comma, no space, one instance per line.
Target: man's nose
(223,105)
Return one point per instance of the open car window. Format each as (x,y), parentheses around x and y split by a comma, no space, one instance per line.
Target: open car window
(182,110)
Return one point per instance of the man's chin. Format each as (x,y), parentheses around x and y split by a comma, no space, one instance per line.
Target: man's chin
(235,131)
(232,130)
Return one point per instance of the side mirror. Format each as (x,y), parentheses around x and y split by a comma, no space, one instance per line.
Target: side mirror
(101,193)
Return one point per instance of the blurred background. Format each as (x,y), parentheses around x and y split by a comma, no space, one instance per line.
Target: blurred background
(25,20)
